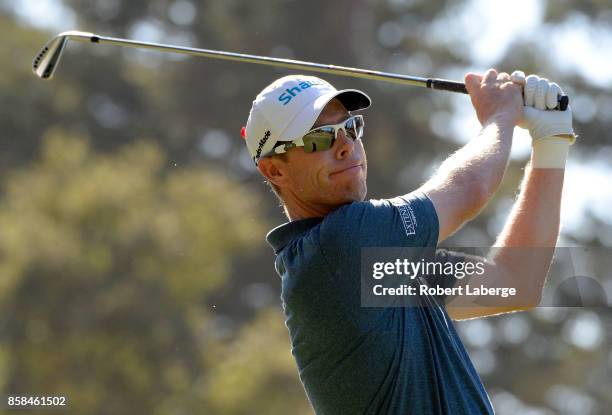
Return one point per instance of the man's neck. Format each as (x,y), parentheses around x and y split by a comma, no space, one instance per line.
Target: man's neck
(296,209)
(297,214)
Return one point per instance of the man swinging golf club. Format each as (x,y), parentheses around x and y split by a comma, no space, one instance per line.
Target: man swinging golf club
(306,141)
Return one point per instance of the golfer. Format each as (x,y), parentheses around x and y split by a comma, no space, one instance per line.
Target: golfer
(308,142)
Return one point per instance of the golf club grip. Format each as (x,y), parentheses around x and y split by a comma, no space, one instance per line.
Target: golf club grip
(452,86)
(444,85)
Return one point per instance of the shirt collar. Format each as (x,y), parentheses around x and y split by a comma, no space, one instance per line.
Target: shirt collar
(283,234)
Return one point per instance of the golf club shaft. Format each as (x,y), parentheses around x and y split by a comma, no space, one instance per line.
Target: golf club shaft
(432,83)
(284,63)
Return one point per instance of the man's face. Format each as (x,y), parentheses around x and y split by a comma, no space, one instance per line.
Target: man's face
(324,180)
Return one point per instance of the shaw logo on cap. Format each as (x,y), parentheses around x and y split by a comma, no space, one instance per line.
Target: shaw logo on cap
(262,142)
(289,93)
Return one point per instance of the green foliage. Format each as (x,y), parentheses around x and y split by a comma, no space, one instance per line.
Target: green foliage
(106,264)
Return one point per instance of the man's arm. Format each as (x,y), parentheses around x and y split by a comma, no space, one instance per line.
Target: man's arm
(466,181)
(523,251)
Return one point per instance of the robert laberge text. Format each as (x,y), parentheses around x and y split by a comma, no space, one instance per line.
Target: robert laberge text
(469,290)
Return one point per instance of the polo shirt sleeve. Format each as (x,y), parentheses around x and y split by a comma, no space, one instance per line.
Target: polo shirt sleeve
(404,221)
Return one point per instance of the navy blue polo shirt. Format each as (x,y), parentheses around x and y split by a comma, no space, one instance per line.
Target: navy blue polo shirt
(369,360)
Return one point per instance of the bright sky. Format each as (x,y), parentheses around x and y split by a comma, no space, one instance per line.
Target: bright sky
(489,31)
(45,14)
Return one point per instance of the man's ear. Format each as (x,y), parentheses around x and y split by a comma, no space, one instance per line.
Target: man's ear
(274,170)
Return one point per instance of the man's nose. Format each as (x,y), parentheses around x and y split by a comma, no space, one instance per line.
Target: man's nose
(345,145)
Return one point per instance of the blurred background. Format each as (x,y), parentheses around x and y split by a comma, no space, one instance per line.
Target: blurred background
(134,275)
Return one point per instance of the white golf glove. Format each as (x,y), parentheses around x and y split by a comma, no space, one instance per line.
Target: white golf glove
(550,129)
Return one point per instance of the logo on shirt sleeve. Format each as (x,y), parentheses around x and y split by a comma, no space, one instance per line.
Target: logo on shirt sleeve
(407,215)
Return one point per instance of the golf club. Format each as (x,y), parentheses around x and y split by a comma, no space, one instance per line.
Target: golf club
(46,61)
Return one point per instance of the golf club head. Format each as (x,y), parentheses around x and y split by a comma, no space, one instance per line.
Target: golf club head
(45,62)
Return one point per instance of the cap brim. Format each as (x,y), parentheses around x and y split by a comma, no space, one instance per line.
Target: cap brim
(352,99)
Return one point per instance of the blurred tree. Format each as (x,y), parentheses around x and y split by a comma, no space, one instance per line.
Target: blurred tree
(106,263)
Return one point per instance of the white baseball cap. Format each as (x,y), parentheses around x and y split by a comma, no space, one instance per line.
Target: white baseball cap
(286,110)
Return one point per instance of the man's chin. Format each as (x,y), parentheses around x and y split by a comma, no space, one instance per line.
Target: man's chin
(357,193)
(349,192)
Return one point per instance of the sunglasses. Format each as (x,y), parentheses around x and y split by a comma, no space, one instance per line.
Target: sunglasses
(323,137)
